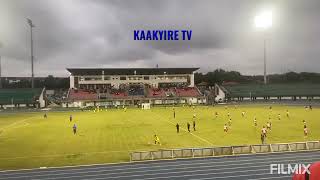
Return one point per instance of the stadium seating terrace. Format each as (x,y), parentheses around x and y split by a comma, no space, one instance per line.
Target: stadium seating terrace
(187,92)
(19,96)
(261,90)
(132,91)
(82,95)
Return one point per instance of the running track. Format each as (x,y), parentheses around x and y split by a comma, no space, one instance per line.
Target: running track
(231,167)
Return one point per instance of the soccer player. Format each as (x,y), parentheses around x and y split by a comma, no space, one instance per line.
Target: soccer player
(255,121)
(225,128)
(228,114)
(279,116)
(306,107)
(305,130)
(287,113)
(216,114)
(188,126)
(174,114)
(45,115)
(194,125)
(304,123)
(230,122)
(243,113)
(194,115)
(70,118)
(156,140)
(269,126)
(264,131)
(262,138)
(74,128)
(178,127)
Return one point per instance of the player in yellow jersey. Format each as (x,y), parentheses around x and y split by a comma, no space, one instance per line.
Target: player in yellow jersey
(157,140)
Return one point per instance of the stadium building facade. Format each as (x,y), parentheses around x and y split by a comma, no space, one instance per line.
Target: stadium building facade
(101,78)
(132,86)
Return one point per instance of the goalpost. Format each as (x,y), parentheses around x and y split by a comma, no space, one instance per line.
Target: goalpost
(145,106)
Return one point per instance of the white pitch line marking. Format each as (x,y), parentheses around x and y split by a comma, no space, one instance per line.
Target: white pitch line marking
(202,139)
(13,124)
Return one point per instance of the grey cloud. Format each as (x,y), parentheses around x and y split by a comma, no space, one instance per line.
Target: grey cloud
(83,33)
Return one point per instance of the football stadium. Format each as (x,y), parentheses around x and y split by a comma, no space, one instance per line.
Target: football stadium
(111,118)
(118,112)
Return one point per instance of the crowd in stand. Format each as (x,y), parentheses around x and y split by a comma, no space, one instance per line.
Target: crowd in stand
(167,90)
(136,90)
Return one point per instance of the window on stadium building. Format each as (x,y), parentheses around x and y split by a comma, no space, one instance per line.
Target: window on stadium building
(92,78)
(123,78)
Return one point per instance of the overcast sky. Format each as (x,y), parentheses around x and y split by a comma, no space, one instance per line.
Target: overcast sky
(94,33)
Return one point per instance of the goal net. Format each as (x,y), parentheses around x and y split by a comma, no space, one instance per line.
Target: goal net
(145,106)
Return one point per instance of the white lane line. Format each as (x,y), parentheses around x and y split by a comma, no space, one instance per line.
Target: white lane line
(188,174)
(157,170)
(178,163)
(277,177)
(102,169)
(168,162)
(228,177)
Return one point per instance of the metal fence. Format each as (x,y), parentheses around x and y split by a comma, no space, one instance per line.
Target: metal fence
(223,151)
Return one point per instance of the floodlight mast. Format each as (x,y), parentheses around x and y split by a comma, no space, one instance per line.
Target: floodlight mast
(31,48)
(0,69)
(0,74)
(264,21)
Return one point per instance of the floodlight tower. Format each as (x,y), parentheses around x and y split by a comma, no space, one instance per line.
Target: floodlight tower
(32,73)
(0,69)
(0,74)
(264,21)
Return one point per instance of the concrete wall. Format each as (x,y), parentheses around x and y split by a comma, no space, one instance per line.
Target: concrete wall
(71,81)
(42,102)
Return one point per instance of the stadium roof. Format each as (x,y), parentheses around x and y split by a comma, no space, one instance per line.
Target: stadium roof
(130,71)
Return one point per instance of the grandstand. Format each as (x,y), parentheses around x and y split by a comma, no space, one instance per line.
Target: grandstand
(271,91)
(24,97)
(132,86)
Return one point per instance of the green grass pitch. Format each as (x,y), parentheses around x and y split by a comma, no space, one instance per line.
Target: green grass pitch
(27,140)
